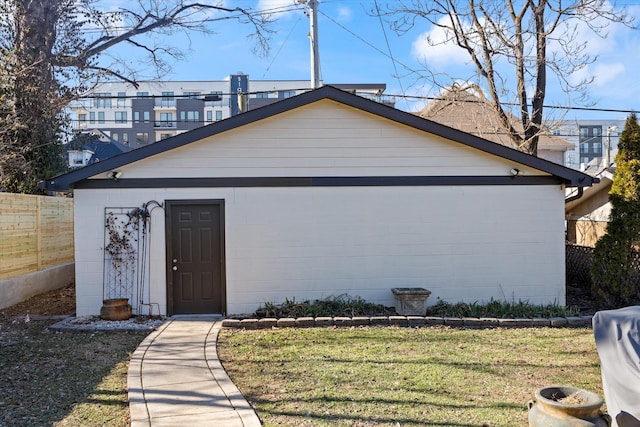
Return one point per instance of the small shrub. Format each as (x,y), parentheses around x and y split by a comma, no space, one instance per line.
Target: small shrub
(341,305)
(500,309)
(345,305)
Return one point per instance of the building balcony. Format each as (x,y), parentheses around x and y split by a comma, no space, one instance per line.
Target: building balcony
(165,124)
(164,104)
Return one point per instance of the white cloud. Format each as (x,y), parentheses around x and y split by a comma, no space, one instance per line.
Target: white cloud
(344,14)
(606,73)
(436,48)
(277,6)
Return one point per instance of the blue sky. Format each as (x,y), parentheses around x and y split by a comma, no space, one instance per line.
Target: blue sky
(356,47)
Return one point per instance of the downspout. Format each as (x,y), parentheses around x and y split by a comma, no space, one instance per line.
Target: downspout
(576,197)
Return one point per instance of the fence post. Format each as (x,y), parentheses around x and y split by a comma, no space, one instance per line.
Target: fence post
(39,232)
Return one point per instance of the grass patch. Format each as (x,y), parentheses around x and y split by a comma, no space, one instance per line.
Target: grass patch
(63,379)
(380,376)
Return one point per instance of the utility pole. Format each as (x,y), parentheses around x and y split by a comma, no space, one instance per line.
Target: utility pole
(608,156)
(313,39)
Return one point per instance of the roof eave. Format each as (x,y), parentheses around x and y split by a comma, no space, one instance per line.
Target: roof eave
(570,177)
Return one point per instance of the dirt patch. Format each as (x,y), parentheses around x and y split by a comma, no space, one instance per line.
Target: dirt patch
(58,302)
(572,399)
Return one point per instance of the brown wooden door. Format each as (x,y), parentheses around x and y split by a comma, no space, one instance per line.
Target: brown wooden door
(196,257)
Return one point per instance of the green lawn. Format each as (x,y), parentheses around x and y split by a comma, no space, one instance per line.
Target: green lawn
(389,376)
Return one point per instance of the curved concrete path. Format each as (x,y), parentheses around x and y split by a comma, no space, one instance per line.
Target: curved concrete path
(175,378)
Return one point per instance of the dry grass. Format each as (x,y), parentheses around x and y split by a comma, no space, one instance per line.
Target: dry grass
(66,379)
(61,379)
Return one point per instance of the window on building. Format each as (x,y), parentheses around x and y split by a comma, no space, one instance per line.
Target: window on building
(146,116)
(584,132)
(165,135)
(584,160)
(92,117)
(584,148)
(209,116)
(597,147)
(142,138)
(142,94)
(262,95)
(189,116)
(125,137)
(122,98)
(136,116)
(82,118)
(191,94)
(166,119)
(597,131)
(219,115)
(286,94)
(100,116)
(167,96)
(114,136)
(102,100)
(77,158)
(121,117)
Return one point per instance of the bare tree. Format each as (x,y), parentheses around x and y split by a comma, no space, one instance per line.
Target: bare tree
(508,42)
(51,51)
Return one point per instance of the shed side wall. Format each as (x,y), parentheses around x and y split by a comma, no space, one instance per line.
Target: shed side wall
(463,243)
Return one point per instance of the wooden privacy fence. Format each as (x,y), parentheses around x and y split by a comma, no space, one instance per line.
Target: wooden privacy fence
(36,232)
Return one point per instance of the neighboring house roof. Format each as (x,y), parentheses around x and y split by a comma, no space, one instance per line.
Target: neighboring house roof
(460,109)
(102,146)
(594,198)
(562,174)
(598,165)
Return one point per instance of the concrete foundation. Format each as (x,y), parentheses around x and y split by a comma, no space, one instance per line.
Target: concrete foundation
(18,289)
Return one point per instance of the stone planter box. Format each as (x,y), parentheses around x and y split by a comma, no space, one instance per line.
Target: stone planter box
(411,301)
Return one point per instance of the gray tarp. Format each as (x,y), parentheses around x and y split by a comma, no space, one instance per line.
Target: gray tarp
(617,335)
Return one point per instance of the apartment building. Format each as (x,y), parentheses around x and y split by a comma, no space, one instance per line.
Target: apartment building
(156,110)
(591,139)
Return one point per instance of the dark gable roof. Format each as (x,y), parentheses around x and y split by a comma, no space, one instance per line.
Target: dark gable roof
(568,176)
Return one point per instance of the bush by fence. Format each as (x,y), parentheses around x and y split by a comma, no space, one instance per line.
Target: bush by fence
(36,232)
(579,260)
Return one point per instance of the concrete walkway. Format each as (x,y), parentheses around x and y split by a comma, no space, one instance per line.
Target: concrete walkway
(175,378)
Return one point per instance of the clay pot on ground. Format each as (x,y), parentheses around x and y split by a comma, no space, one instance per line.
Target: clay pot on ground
(563,406)
(115,309)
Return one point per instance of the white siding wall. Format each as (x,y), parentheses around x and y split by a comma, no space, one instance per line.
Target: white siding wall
(463,243)
(323,139)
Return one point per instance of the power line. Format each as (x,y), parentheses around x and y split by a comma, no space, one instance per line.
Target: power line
(202,97)
(393,61)
(365,41)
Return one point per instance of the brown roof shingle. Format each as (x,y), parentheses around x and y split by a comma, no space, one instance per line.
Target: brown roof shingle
(460,109)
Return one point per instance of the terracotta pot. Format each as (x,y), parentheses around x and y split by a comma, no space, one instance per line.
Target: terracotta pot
(562,406)
(115,309)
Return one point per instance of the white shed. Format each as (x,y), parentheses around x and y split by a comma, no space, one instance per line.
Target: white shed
(319,195)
